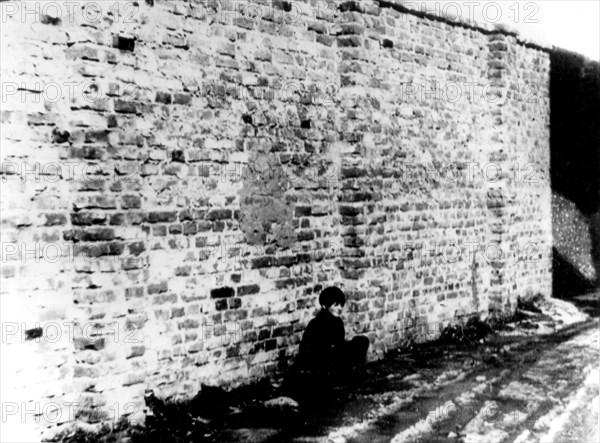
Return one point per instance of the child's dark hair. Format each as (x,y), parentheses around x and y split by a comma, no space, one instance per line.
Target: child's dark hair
(332,295)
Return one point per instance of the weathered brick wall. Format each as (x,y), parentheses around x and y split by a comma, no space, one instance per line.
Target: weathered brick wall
(205,174)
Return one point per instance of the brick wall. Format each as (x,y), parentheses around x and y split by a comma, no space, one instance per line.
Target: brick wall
(200,175)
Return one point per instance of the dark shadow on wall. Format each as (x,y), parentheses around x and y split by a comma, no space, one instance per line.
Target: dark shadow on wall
(574,129)
(570,284)
(568,279)
(575,148)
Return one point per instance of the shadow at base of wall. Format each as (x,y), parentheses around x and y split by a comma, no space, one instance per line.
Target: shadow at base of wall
(568,283)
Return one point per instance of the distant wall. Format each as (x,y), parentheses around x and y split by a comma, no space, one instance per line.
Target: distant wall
(226,169)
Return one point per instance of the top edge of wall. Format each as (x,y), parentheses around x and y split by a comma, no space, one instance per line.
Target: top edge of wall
(414,8)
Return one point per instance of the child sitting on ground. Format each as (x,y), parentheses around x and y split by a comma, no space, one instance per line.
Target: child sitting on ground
(326,358)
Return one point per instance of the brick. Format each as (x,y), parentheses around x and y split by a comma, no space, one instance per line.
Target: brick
(235,303)
(286,260)
(264,334)
(498,46)
(262,262)
(131,202)
(305,236)
(318,27)
(349,42)
(164,97)
(126,107)
(90,235)
(60,136)
(164,298)
(159,231)
(182,99)
(88,218)
(136,248)
(351,6)
(258,347)
(178,156)
(157,288)
(282,331)
(34,333)
(352,274)
(124,43)
(221,305)
(285,283)
(8,271)
(188,323)
(98,249)
(235,315)
(183,271)
(302,211)
(54,219)
(351,28)
(94,296)
(87,343)
(162,217)
(86,371)
(134,292)
(186,215)
(223,292)
(386,43)
(97,136)
(190,228)
(250,336)
(136,351)
(202,242)
(233,351)
(47,19)
(135,323)
(248,290)
(94,201)
(133,378)
(87,152)
(219,214)
(353,172)
(84,52)
(175,229)
(303,258)
(325,40)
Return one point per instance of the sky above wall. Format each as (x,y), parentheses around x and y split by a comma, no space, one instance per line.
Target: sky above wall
(572,25)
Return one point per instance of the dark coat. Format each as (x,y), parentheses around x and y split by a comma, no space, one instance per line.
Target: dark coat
(325,358)
(323,343)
